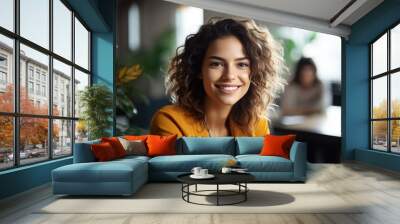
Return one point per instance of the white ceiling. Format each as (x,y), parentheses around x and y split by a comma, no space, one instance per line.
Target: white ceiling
(321,9)
(315,15)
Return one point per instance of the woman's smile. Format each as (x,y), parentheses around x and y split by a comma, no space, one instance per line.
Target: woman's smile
(227,88)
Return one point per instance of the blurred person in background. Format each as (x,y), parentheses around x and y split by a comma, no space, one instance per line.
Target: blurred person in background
(304,95)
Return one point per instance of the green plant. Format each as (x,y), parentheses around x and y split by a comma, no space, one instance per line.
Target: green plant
(96,104)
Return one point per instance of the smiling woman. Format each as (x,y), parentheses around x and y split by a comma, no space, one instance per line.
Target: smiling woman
(221,82)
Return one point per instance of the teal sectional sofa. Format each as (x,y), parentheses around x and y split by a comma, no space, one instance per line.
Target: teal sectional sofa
(125,176)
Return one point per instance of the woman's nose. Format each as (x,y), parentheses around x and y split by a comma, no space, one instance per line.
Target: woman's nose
(229,72)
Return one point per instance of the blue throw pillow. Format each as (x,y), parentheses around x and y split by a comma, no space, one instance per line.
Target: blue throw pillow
(249,145)
(208,145)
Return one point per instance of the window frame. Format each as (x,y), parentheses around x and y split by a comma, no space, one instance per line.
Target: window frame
(388,74)
(16,114)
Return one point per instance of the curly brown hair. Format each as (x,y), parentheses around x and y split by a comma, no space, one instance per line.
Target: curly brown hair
(185,88)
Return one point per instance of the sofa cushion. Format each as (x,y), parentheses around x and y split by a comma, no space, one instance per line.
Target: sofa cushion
(111,171)
(134,147)
(206,145)
(103,152)
(116,145)
(83,153)
(185,163)
(161,145)
(277,145)
(257,163)
(249,145)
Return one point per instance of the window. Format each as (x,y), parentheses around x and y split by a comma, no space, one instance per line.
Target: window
(62,74)
(43,90)
(38,89)
(385,95)
(54,125)
(188,20)
(7,87)
(3,78)
(37,75)
(3,61)
(7,14)
(30,72)
(81,45)
(30,87)
(34,22)
(3,72)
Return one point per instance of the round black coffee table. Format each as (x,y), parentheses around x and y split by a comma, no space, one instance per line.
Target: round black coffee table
(238,179)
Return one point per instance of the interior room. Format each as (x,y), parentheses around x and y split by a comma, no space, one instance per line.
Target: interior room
(211,111)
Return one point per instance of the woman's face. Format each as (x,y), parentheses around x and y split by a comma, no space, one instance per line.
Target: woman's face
(225,71)
(307,76)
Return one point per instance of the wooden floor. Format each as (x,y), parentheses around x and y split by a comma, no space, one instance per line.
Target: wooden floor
(378,188)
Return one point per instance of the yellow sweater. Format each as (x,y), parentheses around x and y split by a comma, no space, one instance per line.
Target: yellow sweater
(173,119)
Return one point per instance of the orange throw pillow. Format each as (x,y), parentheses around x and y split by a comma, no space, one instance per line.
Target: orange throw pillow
(116,145)
(277,145)
(161,145)
(103,151)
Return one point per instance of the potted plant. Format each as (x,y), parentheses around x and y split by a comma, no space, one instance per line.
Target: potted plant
(96,104)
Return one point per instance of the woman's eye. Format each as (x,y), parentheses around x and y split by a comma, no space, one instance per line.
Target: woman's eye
(243,65)
(215,64)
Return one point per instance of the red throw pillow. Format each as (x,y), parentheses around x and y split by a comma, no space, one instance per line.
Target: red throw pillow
(161,145)
(277,145)
(116,145)
(103,151)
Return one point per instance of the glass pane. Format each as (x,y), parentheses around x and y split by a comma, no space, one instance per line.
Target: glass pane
(7,14)
(62,138)
(34,92)
(395,129)
(6,74)
(6,142)
(62,29)
(379,98)
(81,45)
(81,81)
(81,131)
(35,21)
(395,94)
(379,55)
(33,139)
(379,135)
(395,47)
(62,89)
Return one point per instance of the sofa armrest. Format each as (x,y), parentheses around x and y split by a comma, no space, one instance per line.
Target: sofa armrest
(298,155)
(83,152)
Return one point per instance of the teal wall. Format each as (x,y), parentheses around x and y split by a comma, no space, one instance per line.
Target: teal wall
(100,16)
(24,178)
(356,126)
